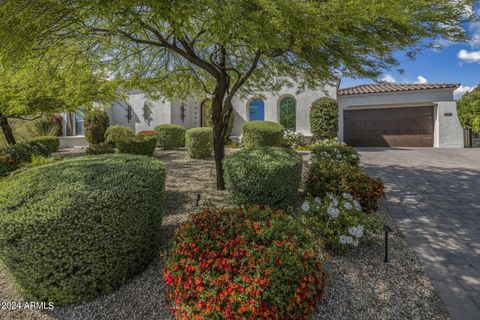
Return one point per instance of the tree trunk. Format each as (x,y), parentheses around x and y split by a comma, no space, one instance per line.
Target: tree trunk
(219,129)
(7,130)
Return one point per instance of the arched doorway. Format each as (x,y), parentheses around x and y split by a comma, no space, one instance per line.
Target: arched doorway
(288,113)
(206,113)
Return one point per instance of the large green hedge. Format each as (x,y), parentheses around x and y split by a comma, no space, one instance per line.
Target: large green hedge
(199,142)
(50,142)
(324,118)
(96,123)
(262,134)
(170,136)
(468,108)
(78,228)
(138,145)
(267,176)
(117,133)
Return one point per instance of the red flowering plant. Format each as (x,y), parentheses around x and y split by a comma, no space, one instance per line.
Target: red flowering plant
(243,264)
(146,133)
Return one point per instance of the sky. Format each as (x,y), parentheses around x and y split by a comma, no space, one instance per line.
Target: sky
(454,63)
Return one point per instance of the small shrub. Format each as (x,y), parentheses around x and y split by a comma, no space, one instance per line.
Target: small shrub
(48,125)
(96,123)
(262,134)
(137,145)
(170,136)
(22,152)
(267,176)
(335,151)
(146,133)
(338,221)
(294,139)
(51,143)
(7,164)
(324,118)
(199,142)
(326,176)
(96,149)
(243,264)
(117,133)
(94,223)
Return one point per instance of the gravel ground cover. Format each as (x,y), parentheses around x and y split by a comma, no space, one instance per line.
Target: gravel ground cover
(361,285)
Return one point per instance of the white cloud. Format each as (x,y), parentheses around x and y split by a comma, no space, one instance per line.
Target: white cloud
(474,29)
(457,94)
(469,56)
(388,78)
(421,80)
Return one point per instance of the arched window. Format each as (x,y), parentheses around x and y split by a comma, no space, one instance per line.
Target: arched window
(206,113)
(287,113)
(257,110)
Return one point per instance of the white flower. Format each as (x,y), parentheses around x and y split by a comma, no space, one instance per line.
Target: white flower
(347,196)
(359,231)
(305,206)
(347,206)
(333,212)
(334,202)
(345,239)
(357,205)
(318,200)
(355,243)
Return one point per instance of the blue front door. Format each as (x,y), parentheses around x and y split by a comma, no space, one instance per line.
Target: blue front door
(257,110)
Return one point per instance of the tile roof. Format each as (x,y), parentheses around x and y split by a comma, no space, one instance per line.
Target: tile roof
(393,87)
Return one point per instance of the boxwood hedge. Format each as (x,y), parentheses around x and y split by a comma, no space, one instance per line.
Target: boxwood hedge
(50,142)
(170,136)
(262,134)
(267,176)
(324,118)
(78,228)
(138,145)
(199,142)
(117,133)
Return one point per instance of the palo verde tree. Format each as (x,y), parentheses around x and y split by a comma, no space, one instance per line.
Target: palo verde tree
(34,86)
(223,48)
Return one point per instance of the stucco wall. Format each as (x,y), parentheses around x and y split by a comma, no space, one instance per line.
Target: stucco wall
(448,131)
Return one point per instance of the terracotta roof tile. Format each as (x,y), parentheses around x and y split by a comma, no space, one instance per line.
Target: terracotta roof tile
(393,87)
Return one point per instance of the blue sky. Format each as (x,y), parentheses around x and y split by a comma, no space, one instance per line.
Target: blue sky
(455,63)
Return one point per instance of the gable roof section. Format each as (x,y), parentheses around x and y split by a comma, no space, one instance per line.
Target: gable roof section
(392,87)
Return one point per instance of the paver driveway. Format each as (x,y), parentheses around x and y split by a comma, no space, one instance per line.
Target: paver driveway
(434,196)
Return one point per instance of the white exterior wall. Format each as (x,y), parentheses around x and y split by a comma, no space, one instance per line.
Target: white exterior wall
(447,130)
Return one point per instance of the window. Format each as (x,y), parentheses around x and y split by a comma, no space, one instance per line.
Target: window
(257,110)
(287,113)
(79,123)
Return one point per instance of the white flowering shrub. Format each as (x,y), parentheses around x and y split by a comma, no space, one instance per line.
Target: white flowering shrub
(339,220)
(294,139)
(332,149)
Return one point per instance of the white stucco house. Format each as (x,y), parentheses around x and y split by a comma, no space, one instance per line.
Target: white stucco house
(372,115)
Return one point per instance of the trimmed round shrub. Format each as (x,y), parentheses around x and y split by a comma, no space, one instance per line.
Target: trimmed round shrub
(243,264)
(50,142)
(324,118)
(96,149)
(170,136)
(267,176)
(96,123)
(199,142)
(138,145)
(262,134)
(82,227)
(335,151)
(327,176)
(117,133)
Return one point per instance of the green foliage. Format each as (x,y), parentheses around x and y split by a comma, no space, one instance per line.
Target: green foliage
(199,142)
(50,142)
(22,130)
(117,133)
(96,149)
(262,134)
(263,259)
(327,176)
(338,221)
(170,136)
(333,150)
(48,126)
(138,145)
(94,223)
(324,118)
(468,108)
(268,176)
(37,161)
(7,164)
(96,124)
(294,139)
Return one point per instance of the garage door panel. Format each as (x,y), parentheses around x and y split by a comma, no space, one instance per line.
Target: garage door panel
(389,127)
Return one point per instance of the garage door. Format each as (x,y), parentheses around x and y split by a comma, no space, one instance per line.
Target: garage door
(389,127)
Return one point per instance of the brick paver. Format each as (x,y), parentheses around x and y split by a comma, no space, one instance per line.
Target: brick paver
(434,196)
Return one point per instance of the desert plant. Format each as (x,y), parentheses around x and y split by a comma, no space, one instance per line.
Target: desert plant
(267,176)
(47,126)
(199,142)
(50,142)
(94,223)
(324,118)
(138,145)
(96,123)
(96,149)
(336,151)
(262,134)
(170,136)
(117,133)
(243,264)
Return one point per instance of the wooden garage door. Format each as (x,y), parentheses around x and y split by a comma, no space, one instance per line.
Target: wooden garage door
(389,127)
